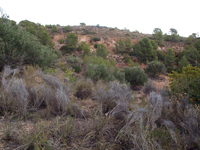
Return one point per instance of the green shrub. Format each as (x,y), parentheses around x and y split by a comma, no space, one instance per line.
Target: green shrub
(71,40)
(96,39)
(19,47)
(67,29)
(66,50)
(170,59)
(186,83)
(95,45)
(54,29)
(161,55)
(61,41)
(73,60)
(77,68)
(155,68)
(135,75)
(97,72)
(144,50)
(102,51)
(98,61)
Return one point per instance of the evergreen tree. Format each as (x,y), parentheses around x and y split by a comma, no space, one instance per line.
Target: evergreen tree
(158,36)
(128,44)
(170,59)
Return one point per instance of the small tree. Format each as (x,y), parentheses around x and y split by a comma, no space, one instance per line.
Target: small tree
(158,36)
(120,46)
(155,68)
(183,62)
(144,50)
(71,40)
(128,44)
(190,39)
(197,45)
(170,59)
(102,51)
(192,55)
(86,50)
(154,45)
(161,55)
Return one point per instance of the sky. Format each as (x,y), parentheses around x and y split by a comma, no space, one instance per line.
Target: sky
(141,15)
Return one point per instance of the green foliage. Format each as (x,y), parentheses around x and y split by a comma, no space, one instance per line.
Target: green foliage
(182,63)
(91,39)
(82,24)
(85,48)
(69,74)
(39,31)
(174,37)
(158,36)
(190,39)
(186,83)
(77,68)
(19,47)
(96,39)
(67,28)
(197,45)
(135,75)
(72,60)
(155,68)
(170,59)
(71,40)
(66,50)
(144,50)
(102,51)
(54,29)
(154,45)
(166,37)
(95,45)
(98,60)
(120,46)
(192,55)
(128,44)
(161,55)
(61,41)
(97,72)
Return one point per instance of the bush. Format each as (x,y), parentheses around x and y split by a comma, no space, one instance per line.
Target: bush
(95,45)
(98,61)
(83,89)
(96,39)
(144,50)
(61,41)
(73,60)
(77,68)
(66,50)
(135,75)
(170,59)
(19,47)
(102,51)
(67,29)
(71,40)
(161,55)
(186,83)
(155,68)
(54,29)
(97,72)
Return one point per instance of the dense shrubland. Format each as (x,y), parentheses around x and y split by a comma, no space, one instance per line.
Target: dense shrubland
(98,110)
(19,47)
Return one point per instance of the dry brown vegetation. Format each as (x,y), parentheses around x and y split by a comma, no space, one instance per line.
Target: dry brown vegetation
(38,111)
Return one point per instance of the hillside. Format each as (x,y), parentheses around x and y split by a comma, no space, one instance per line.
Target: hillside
(97,88)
